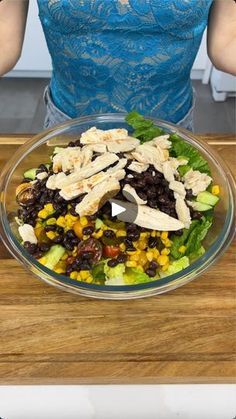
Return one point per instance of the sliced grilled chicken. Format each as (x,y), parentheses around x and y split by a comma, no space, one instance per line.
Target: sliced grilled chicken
(177,187)
(97,165)
(148,154)
(86,185)
(42,175)
(123,145)
(120,165)
(96,147)
(182,211)
(66,159)
(138,167)
(55,181)
(147,217)
(27,233)
(170,167)
(94,135)
(196,181)
(162,141)
(97,197)
(130,193)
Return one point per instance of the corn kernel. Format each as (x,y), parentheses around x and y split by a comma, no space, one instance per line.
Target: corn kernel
(142,258)
(61,221)
(182,249)
(65,256)
(51,221)
(215,190)
(59,270)
(150,256)
(83,221)
(153,233)
(165,267)
(38,224)
(89,279)
(51,234)
(156,252)
(43,214)
(142,244)
(143,235)
(164,235)
(70,217)
(73,275)
(167,243)
(43,260)
(84,274)
(162,260)
(131,264)
(122,247)
(165,251)
(74,251)
(120,233)
(158,234)
(134,256)
(49,208)
(98,234)
(78,277)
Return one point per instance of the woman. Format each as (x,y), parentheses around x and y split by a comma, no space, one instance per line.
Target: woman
(122,55)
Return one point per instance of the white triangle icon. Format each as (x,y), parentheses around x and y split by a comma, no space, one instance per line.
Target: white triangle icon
(116,209)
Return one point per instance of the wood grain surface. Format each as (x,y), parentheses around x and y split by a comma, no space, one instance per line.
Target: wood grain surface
(51,337)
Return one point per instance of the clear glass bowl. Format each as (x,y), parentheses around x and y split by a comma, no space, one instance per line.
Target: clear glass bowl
(38,149)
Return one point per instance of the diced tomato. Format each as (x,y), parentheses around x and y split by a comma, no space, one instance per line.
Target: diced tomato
(111,251)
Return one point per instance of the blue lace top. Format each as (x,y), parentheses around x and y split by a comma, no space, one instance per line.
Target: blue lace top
(123,55)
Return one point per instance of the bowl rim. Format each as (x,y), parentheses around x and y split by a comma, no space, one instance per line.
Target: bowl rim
(157,286)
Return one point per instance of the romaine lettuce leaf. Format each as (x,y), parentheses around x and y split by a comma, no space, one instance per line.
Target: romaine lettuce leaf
(182,148)
(177,266)
(134,276)
(144,129)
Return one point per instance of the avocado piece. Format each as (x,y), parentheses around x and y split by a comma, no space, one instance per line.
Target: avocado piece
(199,206)
(98,223)
(207,198)
(30,174)
(52,257)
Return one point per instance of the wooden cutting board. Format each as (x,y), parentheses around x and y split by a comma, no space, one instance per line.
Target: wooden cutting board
(50,337)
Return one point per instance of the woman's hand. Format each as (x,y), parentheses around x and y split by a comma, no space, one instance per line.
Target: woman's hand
(222,35)
(13,14)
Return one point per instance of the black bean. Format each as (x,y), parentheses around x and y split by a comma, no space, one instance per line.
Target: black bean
(70,234)
(152,242)
(30,247)
(112,263)
(60,230)
(50,227)
(179,232)
(69,269)
(152,204)
(130,249)
(162,199)
(131,227)
(78,143)
(44,247)
(151,193)
(196,215)
(150,272)
(133,235)
(89,230)
(38,254)
(85,266)
(122,258)
(142,195)
(109,234)
(153,265)
(71,144)
(189,194)
(73,212)
(43,168)
(68,246)
(58,240)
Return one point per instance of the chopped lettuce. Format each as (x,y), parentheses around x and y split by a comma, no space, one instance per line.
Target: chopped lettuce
(177,266)
(98,272)
(144,129)
(182,148)
(191,238)
(134,276)
(114,276)
(98,223)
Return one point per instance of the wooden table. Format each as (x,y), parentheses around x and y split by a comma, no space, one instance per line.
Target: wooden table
(186,336)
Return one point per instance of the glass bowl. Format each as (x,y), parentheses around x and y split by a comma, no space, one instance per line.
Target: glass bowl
(38,149)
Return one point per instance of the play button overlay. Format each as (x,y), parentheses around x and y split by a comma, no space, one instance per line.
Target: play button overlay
(123,210)
(116,209)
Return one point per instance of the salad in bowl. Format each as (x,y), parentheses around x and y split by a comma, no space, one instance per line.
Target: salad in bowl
(65,218)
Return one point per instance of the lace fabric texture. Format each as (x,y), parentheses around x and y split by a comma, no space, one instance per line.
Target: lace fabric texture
(123,55)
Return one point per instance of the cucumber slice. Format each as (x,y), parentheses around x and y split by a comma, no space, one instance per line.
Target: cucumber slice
(30,174)
(207,198)
(53,256)
(199,206)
